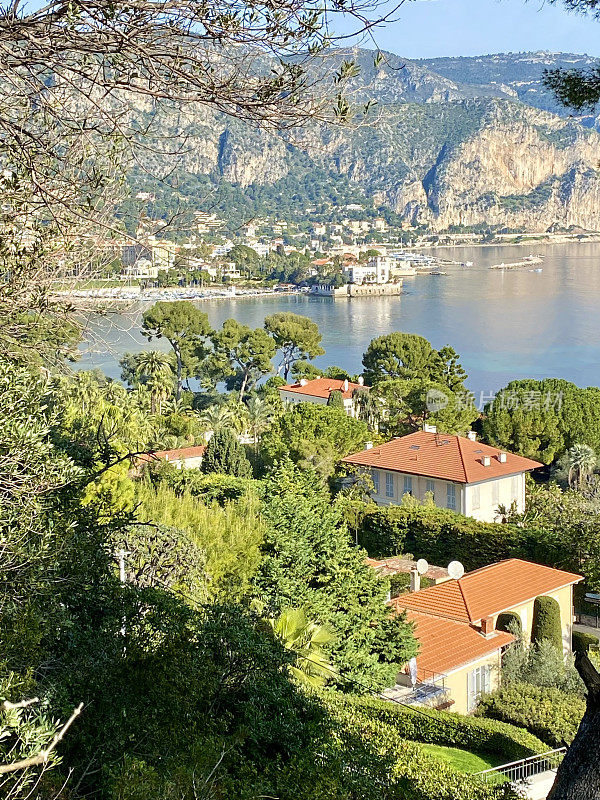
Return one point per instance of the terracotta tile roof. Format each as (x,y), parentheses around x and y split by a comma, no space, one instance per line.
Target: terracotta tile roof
(396,565)
(446,645)
(322,387)
(487,591)
(443,456)
(175,455)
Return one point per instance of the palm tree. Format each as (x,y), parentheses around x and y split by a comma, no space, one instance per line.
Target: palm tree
(305,639)
(581,462)
(259,414)
(217,416)
(154,369)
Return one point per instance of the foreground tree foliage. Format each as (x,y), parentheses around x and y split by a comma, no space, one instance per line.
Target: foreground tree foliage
(309,560)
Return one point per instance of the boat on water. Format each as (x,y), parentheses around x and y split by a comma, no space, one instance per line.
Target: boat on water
(538,269)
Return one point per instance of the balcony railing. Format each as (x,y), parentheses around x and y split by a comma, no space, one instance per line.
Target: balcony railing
(429,690)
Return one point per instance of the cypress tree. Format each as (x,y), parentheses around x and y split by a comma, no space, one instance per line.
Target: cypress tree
(546,621)
(224,454)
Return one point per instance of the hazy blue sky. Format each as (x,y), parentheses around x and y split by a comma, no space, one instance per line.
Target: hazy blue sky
(427,28)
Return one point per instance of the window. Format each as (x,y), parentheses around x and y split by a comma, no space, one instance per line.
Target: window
(478,683)
(451,496)
(475,498)
(495,494)
(375,476)
(514,488)
(407,484)
(430,487)
(389,484)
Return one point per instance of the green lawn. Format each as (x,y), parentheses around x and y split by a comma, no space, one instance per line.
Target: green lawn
(462,760)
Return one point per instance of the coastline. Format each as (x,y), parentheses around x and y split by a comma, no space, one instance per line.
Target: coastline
(128,295)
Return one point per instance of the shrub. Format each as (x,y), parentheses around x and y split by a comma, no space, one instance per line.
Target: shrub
(548,713)
(583,641)
(452,730)
(441,535)
(213,486)
(540,664)
(508,620)
(546,621)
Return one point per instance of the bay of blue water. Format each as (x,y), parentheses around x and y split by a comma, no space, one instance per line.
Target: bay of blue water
(504,325)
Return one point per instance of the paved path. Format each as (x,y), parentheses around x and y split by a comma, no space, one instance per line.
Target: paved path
(538,786)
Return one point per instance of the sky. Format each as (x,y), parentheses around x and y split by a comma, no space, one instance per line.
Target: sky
(427,28)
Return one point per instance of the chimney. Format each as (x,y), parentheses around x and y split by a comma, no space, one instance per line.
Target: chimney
(361,380)
(429,428)
(502,458)
(303,381)
(346,385)
(485,460)
(487,626)
(472,436)
(415,580)
(368,445)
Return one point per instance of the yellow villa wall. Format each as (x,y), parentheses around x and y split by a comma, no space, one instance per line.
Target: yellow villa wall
(458,681)
(564,597)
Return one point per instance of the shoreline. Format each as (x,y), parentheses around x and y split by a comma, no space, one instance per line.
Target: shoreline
(129,295)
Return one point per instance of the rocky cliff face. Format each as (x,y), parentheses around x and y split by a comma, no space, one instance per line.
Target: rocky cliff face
(437,151)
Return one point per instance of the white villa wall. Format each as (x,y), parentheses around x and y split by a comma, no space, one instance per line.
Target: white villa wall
(419,489)
(492,493)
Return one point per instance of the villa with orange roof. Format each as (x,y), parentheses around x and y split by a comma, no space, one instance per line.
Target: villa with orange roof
(460,645)
(182,457)
(458,472)
(319,390)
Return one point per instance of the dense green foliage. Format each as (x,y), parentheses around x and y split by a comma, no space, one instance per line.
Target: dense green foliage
(507,620)
(560,529)
(440,535)
(442,727)
(225,455)
(546,621)
(543,419)
(314,436)
(582,642)
(310,560)
(546,712)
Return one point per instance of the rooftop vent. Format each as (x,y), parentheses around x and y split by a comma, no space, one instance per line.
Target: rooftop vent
(368,445)
(485,460)
(429,428)
(303,381)
(502,458)
(472,436)
(415,447)
(361,380)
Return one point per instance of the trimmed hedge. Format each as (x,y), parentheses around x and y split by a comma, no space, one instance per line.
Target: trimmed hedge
(583,641)
(392,767)
(552,715)
(441,535)
(546,621)
(453,730)
(507,620)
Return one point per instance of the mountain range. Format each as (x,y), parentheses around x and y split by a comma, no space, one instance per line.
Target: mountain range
(470,142)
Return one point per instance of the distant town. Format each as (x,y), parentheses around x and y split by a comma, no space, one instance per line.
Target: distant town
(343,258)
